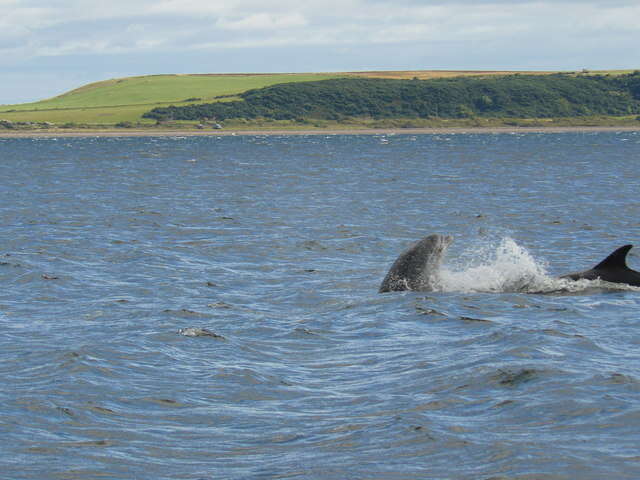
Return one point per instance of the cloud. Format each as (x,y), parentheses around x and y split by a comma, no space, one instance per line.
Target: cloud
(262,21)
(62,27)
(345,34)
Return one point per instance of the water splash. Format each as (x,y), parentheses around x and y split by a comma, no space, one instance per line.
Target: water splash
(506,267)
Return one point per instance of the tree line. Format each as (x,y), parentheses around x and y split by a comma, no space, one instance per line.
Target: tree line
(510,96)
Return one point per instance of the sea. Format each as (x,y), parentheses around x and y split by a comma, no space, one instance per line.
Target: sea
(207,308)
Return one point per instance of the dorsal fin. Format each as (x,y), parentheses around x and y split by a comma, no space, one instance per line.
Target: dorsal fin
(618,259)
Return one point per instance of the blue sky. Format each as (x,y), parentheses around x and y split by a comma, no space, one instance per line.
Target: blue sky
(49,47)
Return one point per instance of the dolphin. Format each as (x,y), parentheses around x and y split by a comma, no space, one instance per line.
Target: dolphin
(612,269)
(417,268)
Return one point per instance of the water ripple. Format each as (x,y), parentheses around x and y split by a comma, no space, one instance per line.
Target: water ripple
(218,318)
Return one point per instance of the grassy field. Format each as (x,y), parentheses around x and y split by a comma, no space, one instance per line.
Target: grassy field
(154,89)
(124,100)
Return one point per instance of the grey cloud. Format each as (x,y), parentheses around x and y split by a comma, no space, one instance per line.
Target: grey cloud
(317,35)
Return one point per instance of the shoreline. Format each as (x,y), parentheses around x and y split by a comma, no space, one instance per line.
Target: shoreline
(330,131)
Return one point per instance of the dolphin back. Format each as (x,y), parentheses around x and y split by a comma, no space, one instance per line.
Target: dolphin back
(612,269)
(417,267)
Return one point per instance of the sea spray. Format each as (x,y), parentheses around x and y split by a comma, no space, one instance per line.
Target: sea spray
(487,267)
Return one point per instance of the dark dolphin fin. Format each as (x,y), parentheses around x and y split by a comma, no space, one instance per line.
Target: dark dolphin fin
(612,269)
(618,259)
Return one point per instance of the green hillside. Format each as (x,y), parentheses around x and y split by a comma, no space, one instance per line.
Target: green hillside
(127,100)
(511,96)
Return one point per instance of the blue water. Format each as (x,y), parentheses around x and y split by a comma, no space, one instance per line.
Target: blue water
(207,308)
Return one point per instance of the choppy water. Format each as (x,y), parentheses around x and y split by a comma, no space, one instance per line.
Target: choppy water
(207,308)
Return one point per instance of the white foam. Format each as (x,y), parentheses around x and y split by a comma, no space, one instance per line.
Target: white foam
(502,267)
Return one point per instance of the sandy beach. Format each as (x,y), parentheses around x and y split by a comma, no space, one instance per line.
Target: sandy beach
(382,131)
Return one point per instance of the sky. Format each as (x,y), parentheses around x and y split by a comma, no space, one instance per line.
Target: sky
(48,47)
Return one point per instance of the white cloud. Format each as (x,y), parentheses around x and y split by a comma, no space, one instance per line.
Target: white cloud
(186,7)
(411,33)
(57,27)
(262,21)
